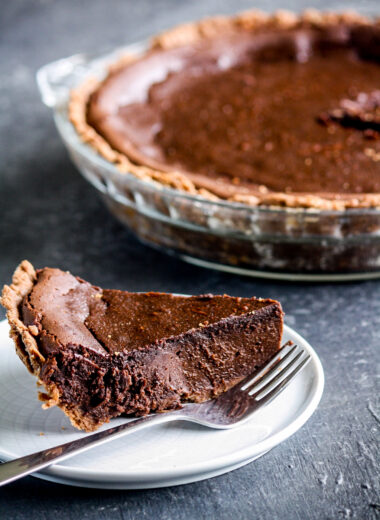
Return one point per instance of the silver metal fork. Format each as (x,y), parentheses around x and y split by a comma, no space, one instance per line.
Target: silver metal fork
(229,410)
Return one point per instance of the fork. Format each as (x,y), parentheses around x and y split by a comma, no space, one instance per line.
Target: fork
(229,410)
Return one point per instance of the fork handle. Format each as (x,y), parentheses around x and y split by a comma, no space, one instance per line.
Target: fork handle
(18,468)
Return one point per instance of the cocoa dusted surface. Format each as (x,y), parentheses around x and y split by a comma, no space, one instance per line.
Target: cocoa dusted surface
(329,468)
(125,321)
(75,312)
(245,112)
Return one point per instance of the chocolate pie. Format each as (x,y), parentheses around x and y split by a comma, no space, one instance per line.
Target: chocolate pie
(101,353)
(280,110)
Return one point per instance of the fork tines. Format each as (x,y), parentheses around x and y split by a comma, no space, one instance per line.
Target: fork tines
(277,373)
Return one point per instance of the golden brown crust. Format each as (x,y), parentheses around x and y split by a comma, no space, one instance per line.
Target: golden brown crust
(26,346)
(255,21)
(27,349)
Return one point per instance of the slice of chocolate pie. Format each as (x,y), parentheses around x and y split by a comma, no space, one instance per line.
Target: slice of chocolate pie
(101,353)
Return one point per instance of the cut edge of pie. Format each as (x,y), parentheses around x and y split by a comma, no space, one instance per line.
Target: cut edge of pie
(254,21)
(154,376)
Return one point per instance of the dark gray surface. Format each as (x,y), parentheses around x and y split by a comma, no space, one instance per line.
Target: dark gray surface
(52,217)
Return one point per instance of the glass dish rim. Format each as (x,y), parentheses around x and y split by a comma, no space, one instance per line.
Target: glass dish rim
(63,124)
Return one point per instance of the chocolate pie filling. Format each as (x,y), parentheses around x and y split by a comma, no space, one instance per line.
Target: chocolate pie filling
(244,113)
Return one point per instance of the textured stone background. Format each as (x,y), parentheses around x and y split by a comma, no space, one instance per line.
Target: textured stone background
(52,217)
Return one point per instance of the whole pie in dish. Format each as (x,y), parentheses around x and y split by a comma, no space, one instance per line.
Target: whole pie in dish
(279,110)
(101,353)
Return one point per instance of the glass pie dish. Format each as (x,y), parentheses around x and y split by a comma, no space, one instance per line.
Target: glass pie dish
(272,242)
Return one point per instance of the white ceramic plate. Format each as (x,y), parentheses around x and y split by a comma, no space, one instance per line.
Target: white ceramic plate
(165,455)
